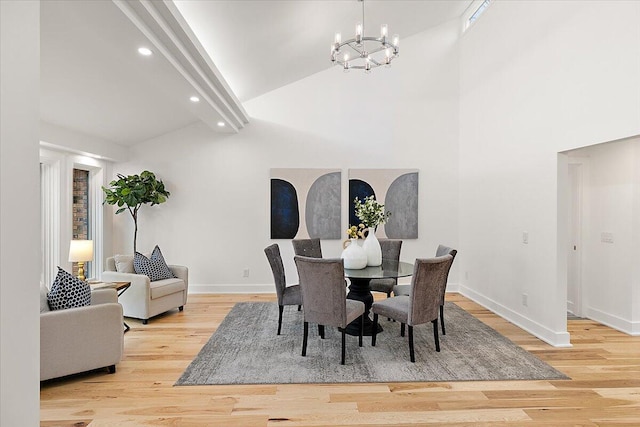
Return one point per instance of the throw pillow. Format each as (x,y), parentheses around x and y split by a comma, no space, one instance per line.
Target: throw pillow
(154,267)
(68,291)
(124,263)
(44,302)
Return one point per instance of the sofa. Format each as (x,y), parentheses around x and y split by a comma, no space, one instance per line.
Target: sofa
(80,339)
(145,299)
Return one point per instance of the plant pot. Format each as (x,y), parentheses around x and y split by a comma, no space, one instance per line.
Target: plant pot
(372,248)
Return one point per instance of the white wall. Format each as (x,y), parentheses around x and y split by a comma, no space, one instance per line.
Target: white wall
(217,218)
(610,205)
(536,78)
(19,213)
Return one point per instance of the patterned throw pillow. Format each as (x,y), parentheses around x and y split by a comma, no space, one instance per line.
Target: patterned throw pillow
(155,267)
(68,291)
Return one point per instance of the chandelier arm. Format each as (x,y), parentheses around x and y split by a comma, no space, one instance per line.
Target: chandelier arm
(349,43)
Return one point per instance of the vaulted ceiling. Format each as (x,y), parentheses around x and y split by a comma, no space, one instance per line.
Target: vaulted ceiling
(94,81)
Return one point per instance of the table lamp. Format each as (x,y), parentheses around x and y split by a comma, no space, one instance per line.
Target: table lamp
(81,251)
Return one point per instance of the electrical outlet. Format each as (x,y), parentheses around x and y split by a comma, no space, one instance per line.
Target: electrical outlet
(245,272)
(525,297)
(525,237)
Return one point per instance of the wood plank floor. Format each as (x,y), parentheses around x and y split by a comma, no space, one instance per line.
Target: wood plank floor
(604,365)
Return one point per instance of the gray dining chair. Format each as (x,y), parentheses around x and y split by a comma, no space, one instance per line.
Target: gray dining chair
(421,306)
(287,295)
(405,289)
(324,298)
(390,256)
(307,247)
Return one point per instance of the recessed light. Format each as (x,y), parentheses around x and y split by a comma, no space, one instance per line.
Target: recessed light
(194,99)
(145,51)
(221,124)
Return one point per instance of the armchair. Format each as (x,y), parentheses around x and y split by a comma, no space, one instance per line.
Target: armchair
(145,299)
(81,339)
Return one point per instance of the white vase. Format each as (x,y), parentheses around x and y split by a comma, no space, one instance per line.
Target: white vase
(353,255)
(372,248)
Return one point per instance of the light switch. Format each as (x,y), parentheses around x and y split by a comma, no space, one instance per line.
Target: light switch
(606,237)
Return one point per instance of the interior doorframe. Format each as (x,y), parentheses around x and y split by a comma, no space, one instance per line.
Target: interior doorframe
(576,193)
(581,165)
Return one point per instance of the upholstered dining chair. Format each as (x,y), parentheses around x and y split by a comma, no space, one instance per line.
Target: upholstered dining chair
(287,295)
(390,255)
(324,298)
(307,247)
(405,289)
(421,306)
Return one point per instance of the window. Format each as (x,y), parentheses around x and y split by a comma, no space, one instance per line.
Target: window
(473,12)
(80,213)
(71,208)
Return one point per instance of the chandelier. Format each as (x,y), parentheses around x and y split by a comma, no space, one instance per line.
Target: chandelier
(362,52)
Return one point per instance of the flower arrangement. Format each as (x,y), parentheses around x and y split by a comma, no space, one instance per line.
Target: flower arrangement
(356,232)
(370,212)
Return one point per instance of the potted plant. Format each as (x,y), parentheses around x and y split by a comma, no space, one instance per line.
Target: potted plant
(371,213)
(132,191)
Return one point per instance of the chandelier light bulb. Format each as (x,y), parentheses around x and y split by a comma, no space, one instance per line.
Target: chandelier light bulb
(384,30)
(346,57)
(396,40)
(359,29)
(338,38)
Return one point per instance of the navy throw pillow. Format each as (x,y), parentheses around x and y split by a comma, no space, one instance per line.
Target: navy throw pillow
(154,267)
(67,291)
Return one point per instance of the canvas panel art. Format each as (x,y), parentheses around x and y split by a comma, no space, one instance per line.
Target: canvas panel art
(397,189)
(305,203)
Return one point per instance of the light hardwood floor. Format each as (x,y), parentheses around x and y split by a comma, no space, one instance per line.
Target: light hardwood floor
(604,365)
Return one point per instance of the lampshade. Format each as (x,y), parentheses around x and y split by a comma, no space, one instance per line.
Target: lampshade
(81,251)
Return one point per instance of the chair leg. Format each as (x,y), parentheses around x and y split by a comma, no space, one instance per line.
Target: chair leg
(181,308)
(361,330)
(411,353)
(304,338)
(145,321)
(374,331)
(435,334)
(112,369)
(280,308)
(442,319)
(401,329)
(299,307)
(321,331)
(343,344)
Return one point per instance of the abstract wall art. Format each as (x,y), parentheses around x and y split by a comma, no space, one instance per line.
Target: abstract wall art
(305,203)
(397,189)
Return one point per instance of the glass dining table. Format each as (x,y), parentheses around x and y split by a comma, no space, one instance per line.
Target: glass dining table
(359,288)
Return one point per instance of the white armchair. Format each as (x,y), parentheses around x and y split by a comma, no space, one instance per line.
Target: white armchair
(145,299)
(81,339)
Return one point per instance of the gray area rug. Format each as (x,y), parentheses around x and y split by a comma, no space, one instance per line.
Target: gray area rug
(246,350)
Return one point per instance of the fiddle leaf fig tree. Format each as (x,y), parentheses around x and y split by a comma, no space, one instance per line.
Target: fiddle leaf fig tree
(132,191)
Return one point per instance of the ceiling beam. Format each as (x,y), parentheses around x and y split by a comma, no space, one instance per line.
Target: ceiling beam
(167,30)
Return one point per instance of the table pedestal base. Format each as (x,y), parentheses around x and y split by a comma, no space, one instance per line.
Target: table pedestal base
(359,291)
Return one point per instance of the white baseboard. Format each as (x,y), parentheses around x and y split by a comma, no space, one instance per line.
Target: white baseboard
(613,321)
(241,288)
(238,288)
(556,339)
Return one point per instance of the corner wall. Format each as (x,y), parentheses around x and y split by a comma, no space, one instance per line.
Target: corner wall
(19,213)
(536,78)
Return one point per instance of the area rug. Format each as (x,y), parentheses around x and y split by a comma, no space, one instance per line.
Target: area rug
(246,350)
